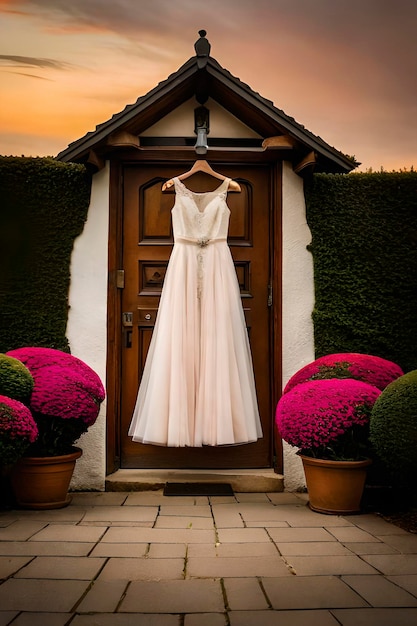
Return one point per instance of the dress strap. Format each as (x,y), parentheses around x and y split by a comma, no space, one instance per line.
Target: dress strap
(179,185)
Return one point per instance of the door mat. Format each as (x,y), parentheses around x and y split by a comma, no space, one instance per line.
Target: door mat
(198,489)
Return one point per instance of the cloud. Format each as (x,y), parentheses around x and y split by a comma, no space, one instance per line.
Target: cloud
(12,60)
(29,75)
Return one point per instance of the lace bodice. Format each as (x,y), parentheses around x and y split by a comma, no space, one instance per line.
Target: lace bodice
(200,216)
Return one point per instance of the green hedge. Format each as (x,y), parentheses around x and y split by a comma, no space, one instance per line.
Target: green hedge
(43,208)
(364,246)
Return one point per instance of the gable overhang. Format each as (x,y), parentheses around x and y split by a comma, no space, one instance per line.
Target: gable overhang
(280,132)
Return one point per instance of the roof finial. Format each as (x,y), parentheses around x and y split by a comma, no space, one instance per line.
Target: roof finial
(202,48)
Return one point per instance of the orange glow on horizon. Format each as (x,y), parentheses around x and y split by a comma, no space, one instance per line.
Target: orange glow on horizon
(355,93)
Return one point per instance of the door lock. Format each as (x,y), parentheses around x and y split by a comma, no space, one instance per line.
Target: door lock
(127,319)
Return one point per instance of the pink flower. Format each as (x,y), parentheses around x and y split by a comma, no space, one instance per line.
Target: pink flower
(16,420)
(317,413)
(64,386)
(373,370)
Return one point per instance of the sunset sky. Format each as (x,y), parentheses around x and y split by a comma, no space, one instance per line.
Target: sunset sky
(346,70)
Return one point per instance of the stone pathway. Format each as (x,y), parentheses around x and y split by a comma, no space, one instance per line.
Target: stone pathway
(255,559)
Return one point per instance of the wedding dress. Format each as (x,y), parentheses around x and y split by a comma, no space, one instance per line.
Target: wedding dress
(198,386)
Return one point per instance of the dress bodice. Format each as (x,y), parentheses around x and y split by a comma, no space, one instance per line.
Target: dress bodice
(200,215)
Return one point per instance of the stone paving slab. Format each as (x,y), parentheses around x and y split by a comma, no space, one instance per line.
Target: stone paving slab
(191,511)
(227,516)
(103,597)
(158,535)
(57,568)
(142,569)
(232,550)
(21,530)
(330,565)
(6,617)
(243,535)
(41,595)
(313,548)
(45,548)
(250,497)
(114,514)
(293,535)
(224,567)
(205,619)
(353,535)
(157,498)
(370,548)
(169,521)
(379,591)
(99,498)
(310,592)
(245,594)
(376,617)
(132,550)
(376,525)
(263,524)
(403,543)
(393,564)
(179,596)
(167,550)
(409,583)
(282,618)
(69,514)
(41,619)
(114,619)
(69,532)
(283,498)
(11,565)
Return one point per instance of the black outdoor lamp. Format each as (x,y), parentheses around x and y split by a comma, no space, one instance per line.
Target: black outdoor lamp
(201,128)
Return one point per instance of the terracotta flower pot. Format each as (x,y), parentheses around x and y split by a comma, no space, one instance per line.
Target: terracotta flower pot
(335,487)
(43,482)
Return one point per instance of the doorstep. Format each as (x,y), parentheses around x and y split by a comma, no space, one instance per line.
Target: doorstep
(241,481)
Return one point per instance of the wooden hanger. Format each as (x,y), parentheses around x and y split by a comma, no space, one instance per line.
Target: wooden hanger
(202,166)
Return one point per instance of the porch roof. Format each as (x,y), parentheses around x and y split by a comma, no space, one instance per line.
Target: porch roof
(238,98)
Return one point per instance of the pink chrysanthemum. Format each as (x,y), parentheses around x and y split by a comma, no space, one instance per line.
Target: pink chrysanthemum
(318,413)
(64,386)
(373,370)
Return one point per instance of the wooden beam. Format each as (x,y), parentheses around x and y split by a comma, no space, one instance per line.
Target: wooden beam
(309,160)
(97,162)
(280,142)
(123,139)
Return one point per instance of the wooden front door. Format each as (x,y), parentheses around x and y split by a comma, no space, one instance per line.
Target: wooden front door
(147,244)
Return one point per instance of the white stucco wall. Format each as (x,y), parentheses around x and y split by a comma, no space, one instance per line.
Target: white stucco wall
(297,300)
(180,123)
(87,322)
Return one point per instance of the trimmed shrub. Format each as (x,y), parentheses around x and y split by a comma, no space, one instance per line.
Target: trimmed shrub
(364,246)
(15,379)
(17,430)
(393,428)
(44,206)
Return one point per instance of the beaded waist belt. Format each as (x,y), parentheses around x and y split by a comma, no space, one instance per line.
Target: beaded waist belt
(202,243)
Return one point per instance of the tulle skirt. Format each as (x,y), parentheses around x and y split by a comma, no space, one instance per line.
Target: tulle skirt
(198,386)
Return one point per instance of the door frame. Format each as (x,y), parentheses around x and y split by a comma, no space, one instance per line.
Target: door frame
(115,280)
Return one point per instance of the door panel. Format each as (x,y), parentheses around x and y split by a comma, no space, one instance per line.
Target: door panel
(147,245)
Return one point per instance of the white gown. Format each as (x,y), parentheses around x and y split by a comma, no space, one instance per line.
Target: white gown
(198,386)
